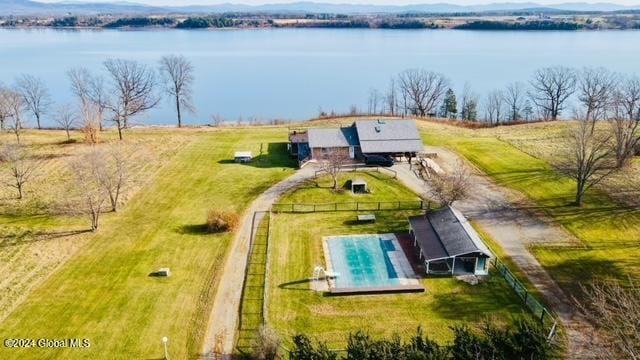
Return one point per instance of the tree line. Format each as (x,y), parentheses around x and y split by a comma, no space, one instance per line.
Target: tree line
(597,96)
(129,90)
(526,339)
(525,25)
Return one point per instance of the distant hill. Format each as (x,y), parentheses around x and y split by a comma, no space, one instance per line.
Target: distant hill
(319,7)
(29,7)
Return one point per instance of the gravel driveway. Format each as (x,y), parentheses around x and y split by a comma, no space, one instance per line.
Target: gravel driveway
(500,212)
(224,316)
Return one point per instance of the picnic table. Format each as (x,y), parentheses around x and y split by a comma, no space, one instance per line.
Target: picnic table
(367,218)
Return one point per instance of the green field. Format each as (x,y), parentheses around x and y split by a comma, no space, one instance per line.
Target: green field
(60,281)
(104,292)
(296,247)
(608,230)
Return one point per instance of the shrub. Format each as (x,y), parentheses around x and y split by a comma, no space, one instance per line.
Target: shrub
(266,345)
(303,349)
(525,340)
(220,221)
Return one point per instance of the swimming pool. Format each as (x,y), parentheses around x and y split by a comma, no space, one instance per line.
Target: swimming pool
(368,261)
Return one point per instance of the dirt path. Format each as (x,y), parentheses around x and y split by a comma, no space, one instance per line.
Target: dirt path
(224,316)
(496,210)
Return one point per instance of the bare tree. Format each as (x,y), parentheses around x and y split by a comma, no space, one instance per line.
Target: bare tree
(589,159)
(514,97)
(422,89)
(66,119)
(266,345)
(20,166)
(92,195)
(494,106)
(35,95)
(551,87)
(374,101)
(14,102)
(391,98)
(615,310)
(5,108)
(133,88)
(112,173)
(625,121)
(448,188)
(332,162)
(178,75)
(91,123)
(217,120)
(81,81)
(595,90)
(91,92)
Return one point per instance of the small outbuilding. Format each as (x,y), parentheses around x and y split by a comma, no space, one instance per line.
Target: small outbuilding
(359,186)
(243,156)
(448,244)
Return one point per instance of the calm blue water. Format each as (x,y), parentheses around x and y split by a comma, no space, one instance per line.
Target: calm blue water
(292,73)
(362,261)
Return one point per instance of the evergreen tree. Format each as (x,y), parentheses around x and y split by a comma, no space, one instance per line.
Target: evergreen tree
(469,111)
(449,108)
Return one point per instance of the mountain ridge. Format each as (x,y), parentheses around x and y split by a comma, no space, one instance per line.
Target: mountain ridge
(31,7)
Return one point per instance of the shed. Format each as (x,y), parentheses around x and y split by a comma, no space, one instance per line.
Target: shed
(359,186)
(243,156)
(448,244)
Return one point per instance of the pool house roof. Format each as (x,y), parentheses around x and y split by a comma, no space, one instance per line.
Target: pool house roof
(446,233)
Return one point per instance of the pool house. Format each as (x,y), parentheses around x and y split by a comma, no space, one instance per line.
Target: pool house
(448,244)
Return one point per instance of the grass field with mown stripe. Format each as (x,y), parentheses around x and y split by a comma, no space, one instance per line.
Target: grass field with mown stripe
(296,248)
(104,292)
(608,230)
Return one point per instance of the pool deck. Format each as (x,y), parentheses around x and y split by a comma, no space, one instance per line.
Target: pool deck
(377,290)
(410,283)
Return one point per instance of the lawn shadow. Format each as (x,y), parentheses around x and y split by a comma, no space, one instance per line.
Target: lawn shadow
(291,285)
(194,229)
(67,142)
(491,297)
(353,222)
(574,273)
(33,237)
(275,155)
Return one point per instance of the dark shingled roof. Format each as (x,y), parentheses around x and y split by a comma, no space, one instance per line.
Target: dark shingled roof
(388,136)
(446,233)
(333,137)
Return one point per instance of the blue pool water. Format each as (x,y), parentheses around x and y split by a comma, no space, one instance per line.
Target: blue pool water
(362,261)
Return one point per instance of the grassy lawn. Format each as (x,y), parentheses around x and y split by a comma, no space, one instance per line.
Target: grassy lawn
(608,230)
(296,247)
(380,186)
(104,293)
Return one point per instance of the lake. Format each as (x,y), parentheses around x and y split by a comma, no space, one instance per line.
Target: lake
(293,73)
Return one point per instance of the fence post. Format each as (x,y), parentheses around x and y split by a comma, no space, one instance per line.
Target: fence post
(378,205)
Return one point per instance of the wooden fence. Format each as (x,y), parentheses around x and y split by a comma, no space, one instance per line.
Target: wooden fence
(349,206)
(359,167)
(539,311)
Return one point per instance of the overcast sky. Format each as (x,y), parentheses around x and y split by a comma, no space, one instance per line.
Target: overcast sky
(378,2)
